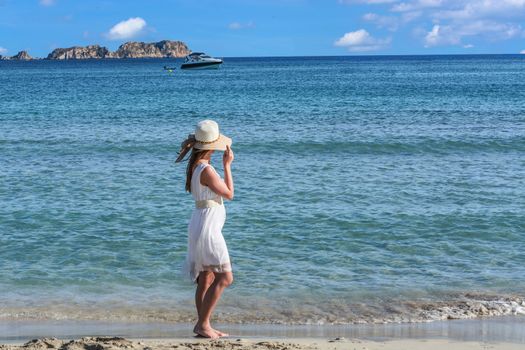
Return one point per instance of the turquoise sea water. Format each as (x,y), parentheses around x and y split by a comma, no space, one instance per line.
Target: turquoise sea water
(367,188)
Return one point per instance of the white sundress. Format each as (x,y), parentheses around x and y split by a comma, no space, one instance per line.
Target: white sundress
(207,250)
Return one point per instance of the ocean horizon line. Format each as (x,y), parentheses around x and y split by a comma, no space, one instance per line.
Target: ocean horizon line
(282,56)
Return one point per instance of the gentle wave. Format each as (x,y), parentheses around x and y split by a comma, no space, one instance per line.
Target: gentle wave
(465,306)
(387,147)
(433,146)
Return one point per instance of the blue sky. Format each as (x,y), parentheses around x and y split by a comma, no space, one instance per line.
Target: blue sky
(269,27)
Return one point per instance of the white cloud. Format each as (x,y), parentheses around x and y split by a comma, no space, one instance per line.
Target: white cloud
(127,29)
(483,9)
(489,19)
(453,8)
(239,25)
(442,35)
(453,34)
(455,20)
(389,22)
(3,51)
(432,38)
(522,52)
(416,5)
(47,2)
(449,22)
(410,16)
(361,41)
(490,29)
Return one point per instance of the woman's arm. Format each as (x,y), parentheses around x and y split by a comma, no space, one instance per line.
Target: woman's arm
(211,179)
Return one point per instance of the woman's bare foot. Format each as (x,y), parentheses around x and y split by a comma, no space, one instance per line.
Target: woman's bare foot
(220,334)
(207,332)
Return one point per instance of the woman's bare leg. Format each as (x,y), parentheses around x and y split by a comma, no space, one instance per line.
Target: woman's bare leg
(212,296)
(204,282)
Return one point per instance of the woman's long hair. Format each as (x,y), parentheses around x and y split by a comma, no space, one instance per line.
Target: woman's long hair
(195,156)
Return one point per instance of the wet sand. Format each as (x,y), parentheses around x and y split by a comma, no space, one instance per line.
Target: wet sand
(504,333)
(494,330)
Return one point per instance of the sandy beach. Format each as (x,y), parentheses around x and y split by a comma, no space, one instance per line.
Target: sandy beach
(103,343)
(490,333)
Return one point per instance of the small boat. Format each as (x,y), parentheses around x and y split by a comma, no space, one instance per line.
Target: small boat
(169,68)
(199,60)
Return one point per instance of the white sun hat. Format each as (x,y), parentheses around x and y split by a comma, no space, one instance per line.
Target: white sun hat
(208,137)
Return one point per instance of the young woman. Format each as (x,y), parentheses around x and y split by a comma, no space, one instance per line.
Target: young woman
(208,262)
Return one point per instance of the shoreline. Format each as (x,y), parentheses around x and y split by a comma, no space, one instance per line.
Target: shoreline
(508,329)
(316,312)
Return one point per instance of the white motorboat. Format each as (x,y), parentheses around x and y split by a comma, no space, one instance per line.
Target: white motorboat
(199,60)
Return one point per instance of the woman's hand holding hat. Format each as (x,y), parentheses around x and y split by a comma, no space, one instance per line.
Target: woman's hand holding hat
(227,157)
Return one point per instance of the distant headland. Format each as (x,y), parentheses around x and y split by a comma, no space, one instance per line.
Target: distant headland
(132,49)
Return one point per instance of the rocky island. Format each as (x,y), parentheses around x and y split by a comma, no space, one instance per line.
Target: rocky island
(21,56)
(132,49)
(79,53)
(161,49)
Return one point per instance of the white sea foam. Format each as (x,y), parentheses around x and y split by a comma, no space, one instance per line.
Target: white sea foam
(466,306)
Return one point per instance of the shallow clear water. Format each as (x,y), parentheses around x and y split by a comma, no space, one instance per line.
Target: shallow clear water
(363,185)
